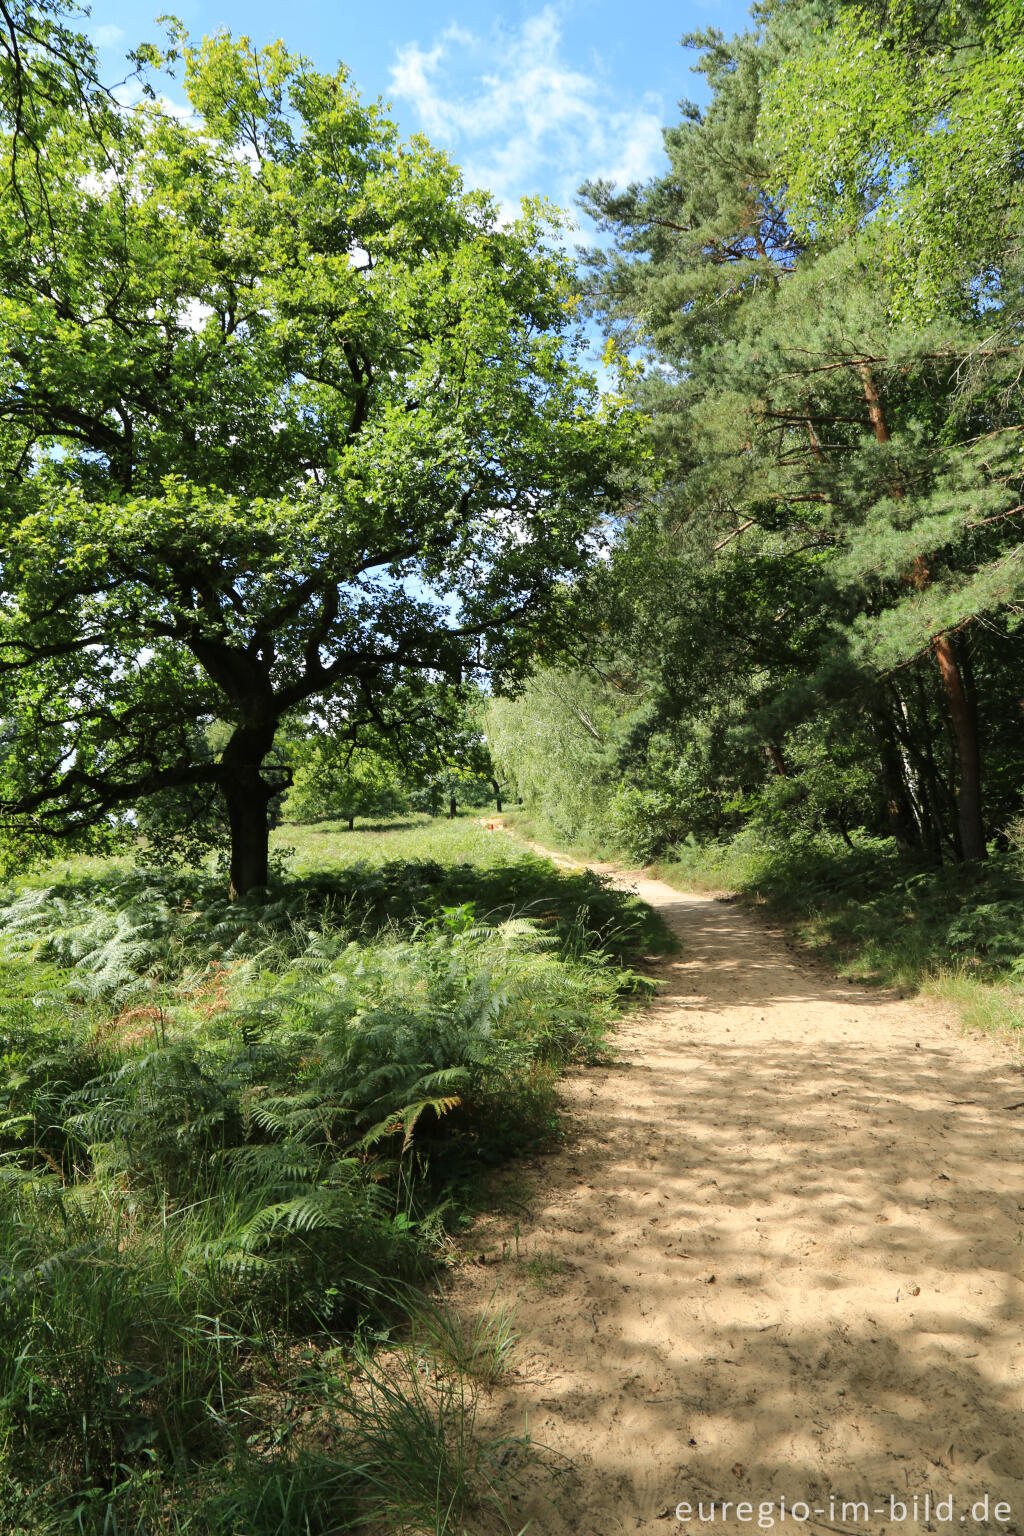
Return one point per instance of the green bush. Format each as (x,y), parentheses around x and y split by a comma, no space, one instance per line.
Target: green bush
(331,782)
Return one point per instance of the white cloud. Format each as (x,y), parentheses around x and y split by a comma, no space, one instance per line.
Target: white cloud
(520,118)
(130,93)
(107,36)
(194,314)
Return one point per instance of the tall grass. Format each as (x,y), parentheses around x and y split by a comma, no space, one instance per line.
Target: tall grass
(234,1143)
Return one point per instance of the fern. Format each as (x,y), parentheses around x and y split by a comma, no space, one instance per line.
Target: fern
(31,1280)
(406,1120)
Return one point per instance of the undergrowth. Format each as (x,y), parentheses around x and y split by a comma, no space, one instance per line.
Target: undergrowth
(956,931)
(234,1144)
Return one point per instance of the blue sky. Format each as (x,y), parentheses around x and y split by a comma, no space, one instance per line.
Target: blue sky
(528,97)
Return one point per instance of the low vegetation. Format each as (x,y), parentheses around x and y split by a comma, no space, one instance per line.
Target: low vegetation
(954,931)
(236,1142)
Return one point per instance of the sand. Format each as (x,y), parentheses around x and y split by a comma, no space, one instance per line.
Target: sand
(778,1257)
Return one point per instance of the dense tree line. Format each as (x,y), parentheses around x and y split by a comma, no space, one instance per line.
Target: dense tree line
(811,616)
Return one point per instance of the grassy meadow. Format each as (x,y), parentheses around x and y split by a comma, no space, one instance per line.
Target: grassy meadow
(237,1144)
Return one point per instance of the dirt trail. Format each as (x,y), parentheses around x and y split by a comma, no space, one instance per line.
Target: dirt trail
(779,1257)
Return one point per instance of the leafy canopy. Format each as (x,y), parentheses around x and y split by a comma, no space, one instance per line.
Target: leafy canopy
(908,124)
(286,413)
(827,285)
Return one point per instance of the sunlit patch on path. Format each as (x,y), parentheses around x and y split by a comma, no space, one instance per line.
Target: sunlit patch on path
(779,1256)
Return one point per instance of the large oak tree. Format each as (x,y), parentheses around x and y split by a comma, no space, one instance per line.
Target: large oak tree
(288,419)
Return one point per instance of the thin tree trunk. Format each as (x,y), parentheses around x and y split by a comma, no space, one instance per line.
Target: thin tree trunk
(497,795)
(876,409)
(843,833)
(452,808)
(937,797)
(903,823)
(351,823)
(918,773)
(776,757)
(971,825)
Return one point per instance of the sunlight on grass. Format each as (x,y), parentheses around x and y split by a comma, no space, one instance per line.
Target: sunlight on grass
(413,837)
(238,1140)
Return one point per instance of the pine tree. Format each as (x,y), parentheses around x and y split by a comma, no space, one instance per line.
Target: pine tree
(835,527)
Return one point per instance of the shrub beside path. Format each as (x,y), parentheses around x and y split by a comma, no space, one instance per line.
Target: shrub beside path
(779,1257)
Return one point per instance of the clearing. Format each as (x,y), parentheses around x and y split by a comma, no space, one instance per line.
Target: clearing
(779,1258)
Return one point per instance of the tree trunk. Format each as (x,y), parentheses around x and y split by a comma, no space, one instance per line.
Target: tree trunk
(971,826)
(247,798)
(937,801)
(497,795)
(844,834)
(876,410)
(917,773)
(351,823)
(905,816)
(776,757)
(452,808)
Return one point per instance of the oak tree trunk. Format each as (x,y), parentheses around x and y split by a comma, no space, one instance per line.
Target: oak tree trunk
(247,799)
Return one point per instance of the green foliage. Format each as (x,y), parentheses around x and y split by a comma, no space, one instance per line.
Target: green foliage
(234,1140)
(47,67)
(183,826)
(673,793)
(332,784)
(827,786)
(556,742)
(814,594)
(907,121)
(320,506)
(594,761)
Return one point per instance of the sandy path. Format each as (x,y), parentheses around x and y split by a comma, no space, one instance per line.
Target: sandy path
(786,1236)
